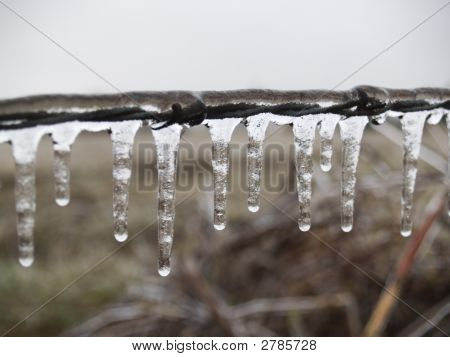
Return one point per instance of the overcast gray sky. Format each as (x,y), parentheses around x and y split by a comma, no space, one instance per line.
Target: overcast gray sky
(162,45)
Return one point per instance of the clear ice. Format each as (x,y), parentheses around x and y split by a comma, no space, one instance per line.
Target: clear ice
(63,136)
(167,141)
(221,132)
(24,144)
(351,134)
(304,130)
(412,129)
(122,137)
(327,125)
(256,129)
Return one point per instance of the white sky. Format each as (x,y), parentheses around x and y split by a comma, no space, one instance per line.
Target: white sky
(232,44)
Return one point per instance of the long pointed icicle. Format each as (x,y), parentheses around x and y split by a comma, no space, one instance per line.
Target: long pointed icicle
(221,132)
(167,141)
(63,137)
(122,137)
(25,143)
(351,134)
(256,129)
(304,131)
(412,129)
(328,124)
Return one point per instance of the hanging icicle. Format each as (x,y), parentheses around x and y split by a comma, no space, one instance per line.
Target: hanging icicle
(412,129)
(256,129)
(167,141)
(351,134)
(304,130)
(327,125)
(122,137)
(221,132)
(24,144)
(63,136)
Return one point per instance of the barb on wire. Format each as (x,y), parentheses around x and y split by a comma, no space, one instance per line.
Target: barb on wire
(191,108)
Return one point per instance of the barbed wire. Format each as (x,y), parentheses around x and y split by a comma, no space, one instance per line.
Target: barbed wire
(191,108)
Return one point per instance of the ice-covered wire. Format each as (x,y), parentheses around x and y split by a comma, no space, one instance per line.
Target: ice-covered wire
(191,108)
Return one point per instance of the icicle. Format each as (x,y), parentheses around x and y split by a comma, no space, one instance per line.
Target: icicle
(25,143)
(167,141)
(304,130)
(63,136)
(327,126)
(122,137)
(351,134)
(221,132)
(436,116)
(412,128)
(256,129)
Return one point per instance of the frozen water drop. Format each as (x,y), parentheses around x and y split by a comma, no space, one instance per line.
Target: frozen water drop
(164,270)
(328,124)
(221,132)
(304,130)
(122,137)
(405,232)
(346,227)
(167,142)
(219,226)
(351,134)
(256,129)
(412,128)
(27,261)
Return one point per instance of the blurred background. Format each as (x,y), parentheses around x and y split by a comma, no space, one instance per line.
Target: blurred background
(261,275)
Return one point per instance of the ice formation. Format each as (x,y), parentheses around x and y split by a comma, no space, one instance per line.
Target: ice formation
(256,129)
(25,142)
(351,135)
(167,141)
(221,132)
(122,138)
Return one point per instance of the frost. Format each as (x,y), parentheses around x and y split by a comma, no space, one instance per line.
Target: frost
(221,132)
(122,137)
(351,135)
(304,129)
(256,129)
(167,141)
(412,128)
(328,124)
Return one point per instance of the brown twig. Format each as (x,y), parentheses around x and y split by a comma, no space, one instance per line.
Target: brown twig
(389,296)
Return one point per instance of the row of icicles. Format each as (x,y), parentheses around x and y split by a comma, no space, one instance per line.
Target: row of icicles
(25,143)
